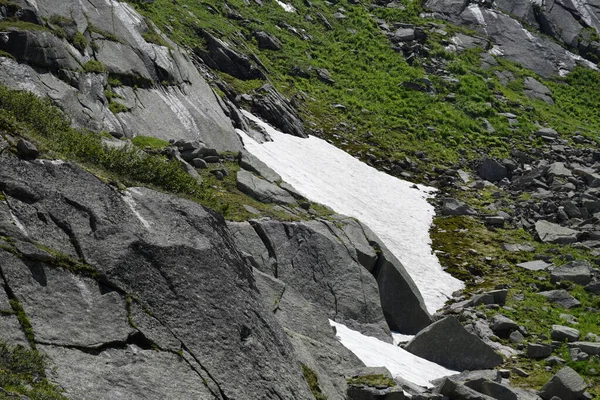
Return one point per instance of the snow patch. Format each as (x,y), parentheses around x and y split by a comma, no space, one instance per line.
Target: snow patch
(398,338)
(286,7)
(396,210)
(128,199)
(375,353)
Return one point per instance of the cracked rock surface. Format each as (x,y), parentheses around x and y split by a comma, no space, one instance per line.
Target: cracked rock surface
(143,285)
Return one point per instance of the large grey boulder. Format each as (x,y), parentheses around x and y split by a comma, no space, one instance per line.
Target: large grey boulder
(456,207)
(311,258)
(579,272)
(262,190)
(566,385)
(592,348)
(549,232)
(562,333)
(172,256)
(535,89)
(446,342)
(491,170)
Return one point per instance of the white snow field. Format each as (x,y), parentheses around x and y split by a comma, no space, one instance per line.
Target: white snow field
(375,353)
(394,209)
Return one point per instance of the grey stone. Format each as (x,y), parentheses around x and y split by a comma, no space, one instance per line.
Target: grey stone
(536,265)
(27,149)
(536,90)
(559,170)
(566,384)
(579,272)
(547,132)
(516,337)
(549,232)
(446,342)
(456,207)
(402,303)
(251,163)
(38,48)
(562,298)
(535,350)
(308,328)
(32,252)
(562,333)
(403,35)
(503,325)
(589,347)
(491,170)
(457,390)
(515,248)
(262,190)
(267,41)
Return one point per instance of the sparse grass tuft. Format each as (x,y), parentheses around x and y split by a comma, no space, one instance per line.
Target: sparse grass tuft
(313,382)
(94,66)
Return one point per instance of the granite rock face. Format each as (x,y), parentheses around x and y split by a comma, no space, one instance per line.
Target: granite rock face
(136,271)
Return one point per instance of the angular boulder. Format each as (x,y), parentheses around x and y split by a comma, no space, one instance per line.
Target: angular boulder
(262,190)
(562,333)
(491,170)
(446,342)
(549,232)
(578,271)
(566,385)
(562,298)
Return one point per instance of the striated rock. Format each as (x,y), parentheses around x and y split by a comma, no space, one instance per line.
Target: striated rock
(446,342)
(270,105)
(251,163)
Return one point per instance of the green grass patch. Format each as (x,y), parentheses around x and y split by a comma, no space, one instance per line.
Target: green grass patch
(377,381)
(22,26)
(116,107)
(24,321)
(22,372)
(147,141)
(79,41)
(94,66)
(313,383)
(6,54)
(106,35)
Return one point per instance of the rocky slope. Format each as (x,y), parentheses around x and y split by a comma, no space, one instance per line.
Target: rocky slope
(136,293)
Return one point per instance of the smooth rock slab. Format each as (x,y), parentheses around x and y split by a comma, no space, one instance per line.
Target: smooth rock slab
(536,265)
(535,350)
(446,342)
(549,232)
(262,190)
(566,384)
(562,298)
(125,374)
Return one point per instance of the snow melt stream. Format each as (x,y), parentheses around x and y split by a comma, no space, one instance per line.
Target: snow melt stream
(396,210)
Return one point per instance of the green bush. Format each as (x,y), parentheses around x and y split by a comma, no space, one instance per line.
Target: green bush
(94,66)
(79,41)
